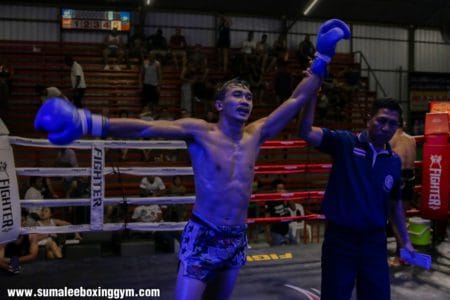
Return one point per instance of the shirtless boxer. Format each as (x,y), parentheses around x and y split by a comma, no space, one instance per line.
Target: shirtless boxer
(223,156)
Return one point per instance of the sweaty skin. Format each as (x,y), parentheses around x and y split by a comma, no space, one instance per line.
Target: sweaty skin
(223,154)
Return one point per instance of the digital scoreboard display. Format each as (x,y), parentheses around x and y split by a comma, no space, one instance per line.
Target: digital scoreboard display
(95,20)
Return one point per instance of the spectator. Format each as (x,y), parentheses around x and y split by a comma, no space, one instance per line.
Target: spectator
(113,46)
(24,249)
(6,75)
(151,80)
(278,233)
(77,80)
(49,92)
(223,41)
(152,186)
(136,46)
(305,52)
(177,187)
(279,51)
(283,82)
(187,79)
(262,51)
(176,212)
(248,47)
(53,245)
(158,45)
(34,192)
(147,214)
(66,158)
(178,47)
(296,209)
(198,60)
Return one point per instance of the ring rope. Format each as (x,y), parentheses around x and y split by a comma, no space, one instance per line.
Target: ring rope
(158,144)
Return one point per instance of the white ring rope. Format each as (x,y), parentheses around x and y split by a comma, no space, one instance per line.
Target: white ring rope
(97,171)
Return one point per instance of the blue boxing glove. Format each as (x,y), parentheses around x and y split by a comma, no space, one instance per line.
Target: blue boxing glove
(65,123)
(330,33)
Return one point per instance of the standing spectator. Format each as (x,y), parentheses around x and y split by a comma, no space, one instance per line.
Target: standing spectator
(77,80)
(262,52)
(113,46)
(283,82)
(305,52)
(6,74)
(223,41)
(151,80)
(279,51)
(136,47)
(248,47)
(187,77)
(178,47)
(158,45)
(364,190)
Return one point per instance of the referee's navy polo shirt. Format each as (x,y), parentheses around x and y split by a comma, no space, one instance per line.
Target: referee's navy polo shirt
(360,186)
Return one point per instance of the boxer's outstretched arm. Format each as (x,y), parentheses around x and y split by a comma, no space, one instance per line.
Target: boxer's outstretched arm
(134,128)
(280,117)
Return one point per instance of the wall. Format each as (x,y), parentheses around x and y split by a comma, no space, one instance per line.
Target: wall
(386,48)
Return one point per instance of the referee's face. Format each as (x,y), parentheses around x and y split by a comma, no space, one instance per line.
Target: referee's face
(382,126)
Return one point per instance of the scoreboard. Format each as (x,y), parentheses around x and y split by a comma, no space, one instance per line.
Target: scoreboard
(95,20)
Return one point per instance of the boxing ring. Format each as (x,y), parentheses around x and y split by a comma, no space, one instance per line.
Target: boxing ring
(297,269)
(98,172)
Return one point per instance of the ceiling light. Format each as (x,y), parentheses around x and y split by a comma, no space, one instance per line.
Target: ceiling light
(310,6)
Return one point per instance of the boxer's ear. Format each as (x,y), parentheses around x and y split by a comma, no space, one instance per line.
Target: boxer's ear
(219,105)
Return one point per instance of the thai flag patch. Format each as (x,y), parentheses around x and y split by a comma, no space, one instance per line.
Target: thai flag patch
(359,152)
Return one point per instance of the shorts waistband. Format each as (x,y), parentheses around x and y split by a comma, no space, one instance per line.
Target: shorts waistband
(223,229)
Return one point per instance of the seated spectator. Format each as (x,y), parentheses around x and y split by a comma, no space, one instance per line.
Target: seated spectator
(34,192)
(296,209)
(177,187)
(178,46)
(67,158)
(278,233)
(23,250)
(49,92)
(152,186)
(157,44)
(113,46)
(147,214)
(53,246)
(305,52)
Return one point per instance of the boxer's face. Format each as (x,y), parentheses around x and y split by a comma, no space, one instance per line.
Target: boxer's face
(237,103)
